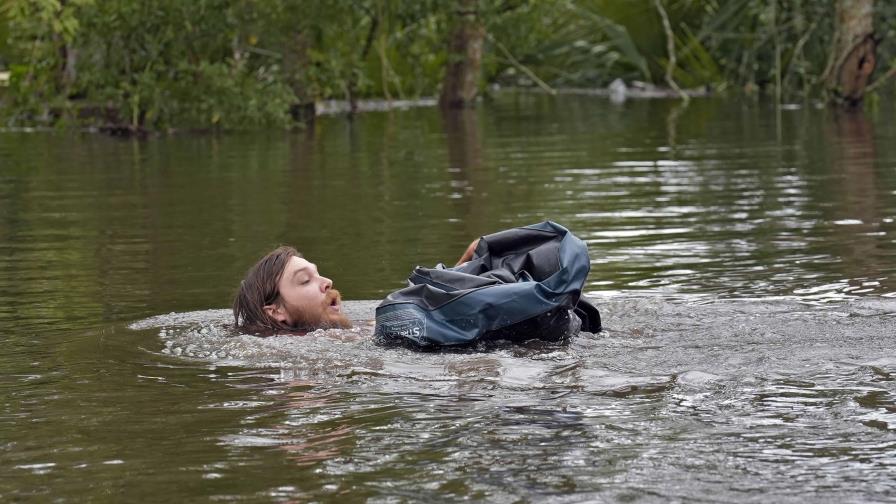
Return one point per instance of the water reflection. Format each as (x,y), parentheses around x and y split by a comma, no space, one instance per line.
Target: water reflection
(469,181)
(743,260)
(731,212)
(672,119)
(858,208)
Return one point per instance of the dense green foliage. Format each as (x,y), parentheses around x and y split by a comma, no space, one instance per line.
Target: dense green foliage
(249,63)
(718,43)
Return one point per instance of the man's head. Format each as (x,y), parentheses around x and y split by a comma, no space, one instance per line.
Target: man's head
(285,292)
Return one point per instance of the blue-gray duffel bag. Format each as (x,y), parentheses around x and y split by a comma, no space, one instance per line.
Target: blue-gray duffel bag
(522,283)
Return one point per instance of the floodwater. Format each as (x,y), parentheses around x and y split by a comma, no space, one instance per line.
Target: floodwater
(743,258)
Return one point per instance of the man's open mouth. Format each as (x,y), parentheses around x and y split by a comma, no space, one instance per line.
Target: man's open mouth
(335,301)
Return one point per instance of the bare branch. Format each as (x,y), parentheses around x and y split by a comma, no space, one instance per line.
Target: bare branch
(670,49)
(513,61)
(881,80)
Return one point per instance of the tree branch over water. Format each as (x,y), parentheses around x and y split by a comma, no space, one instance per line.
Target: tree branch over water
(522,68)
(670,50)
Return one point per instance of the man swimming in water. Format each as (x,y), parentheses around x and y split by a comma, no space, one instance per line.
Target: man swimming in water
(284,292)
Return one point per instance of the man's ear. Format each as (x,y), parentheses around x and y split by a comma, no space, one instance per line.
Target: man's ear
(276,312)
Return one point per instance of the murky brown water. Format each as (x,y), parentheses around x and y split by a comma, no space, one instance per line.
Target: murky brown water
(744,265)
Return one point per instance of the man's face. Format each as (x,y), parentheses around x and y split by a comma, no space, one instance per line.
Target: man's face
(307,300)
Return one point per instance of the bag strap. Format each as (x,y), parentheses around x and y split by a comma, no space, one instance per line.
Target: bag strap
(589,315)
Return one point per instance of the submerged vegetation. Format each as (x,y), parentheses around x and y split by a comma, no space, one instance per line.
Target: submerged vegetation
(165,64)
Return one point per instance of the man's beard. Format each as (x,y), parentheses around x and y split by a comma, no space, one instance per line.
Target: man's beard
(324,317)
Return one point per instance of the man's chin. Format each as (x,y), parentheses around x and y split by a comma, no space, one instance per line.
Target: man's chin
(339,321)
(333,320)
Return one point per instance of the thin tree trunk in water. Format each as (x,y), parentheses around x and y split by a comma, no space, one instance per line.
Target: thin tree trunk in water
(69,57)
(853,59)
(353,80)
(295,62)
(461,81)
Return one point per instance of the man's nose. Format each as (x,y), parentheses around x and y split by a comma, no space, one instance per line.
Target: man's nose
(326,284)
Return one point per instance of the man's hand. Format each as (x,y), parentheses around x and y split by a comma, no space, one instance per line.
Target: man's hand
(468,254)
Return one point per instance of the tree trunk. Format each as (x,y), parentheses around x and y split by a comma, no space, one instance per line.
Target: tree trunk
(296,63)
(853,60)
(353,79)
(461,82)
(69,58)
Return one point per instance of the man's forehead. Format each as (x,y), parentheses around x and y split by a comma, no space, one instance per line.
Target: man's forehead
(296,263)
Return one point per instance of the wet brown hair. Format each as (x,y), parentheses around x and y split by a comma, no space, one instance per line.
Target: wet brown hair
(259,289)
